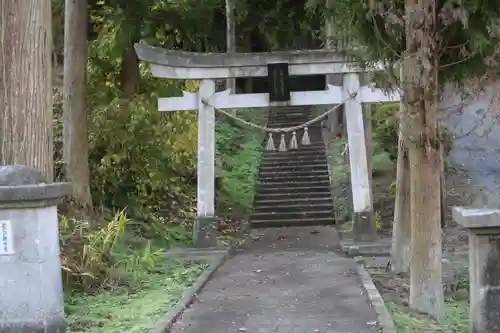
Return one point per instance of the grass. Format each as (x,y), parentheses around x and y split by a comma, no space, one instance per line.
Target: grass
(137,307)
(456,319)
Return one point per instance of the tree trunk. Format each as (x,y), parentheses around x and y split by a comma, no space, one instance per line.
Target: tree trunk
(230,39)
(421,100)
(129,72)
(401,228)
(334,117)
(75,134)
(443,187)
(26,84)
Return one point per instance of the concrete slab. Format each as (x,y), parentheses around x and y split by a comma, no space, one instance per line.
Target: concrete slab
(319,238)
(381,247)
(287,287)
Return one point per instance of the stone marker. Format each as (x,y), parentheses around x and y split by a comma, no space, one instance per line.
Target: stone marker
(31,295)
(484,266)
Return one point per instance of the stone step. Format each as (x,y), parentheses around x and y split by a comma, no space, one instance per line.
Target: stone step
(300,222)
(304,191)
(275,163)
(287,124)
(293,173)
(307,150)
(286,186)
(290,108)
(318,198)
(303,156)
(297,110)
(284,178)
(285,160)
(284,118)
(296,194)
(303,152)
(294,207)
(279,122)
(293,215)
(287,117)
(298,168)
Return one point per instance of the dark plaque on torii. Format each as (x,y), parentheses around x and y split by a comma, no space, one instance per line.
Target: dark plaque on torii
(278,82)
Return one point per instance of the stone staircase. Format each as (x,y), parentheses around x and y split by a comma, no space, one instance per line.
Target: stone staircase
(294,186)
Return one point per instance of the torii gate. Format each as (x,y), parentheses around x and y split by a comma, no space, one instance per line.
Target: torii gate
(277,66)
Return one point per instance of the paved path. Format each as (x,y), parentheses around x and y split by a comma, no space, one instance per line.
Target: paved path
(290,281)
(477,147)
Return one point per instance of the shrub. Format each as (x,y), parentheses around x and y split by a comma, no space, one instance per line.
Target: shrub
(143,159)
(86,252)
(386,129)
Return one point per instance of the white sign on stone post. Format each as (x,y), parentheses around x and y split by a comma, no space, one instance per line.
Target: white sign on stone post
(186,65)
(6,238)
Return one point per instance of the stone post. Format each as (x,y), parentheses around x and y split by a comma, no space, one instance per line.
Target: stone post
(31,294)
(204,231)
(484,266)
(364,228)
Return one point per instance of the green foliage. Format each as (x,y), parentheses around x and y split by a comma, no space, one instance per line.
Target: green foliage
(142,158)
(142,163)
(465,29)
(108,253)
(239,149)
(87,253)
(386,129)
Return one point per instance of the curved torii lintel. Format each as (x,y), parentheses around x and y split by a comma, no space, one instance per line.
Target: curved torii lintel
(193,65)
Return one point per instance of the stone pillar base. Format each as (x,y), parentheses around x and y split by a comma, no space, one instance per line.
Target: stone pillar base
(205,232)
(364,228)
(55,324)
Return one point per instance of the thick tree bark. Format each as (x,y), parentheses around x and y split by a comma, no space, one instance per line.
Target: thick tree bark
(75,134)
(421,100)
(443,187)
(129,72)
(334,117)
(26,84)
(401,229)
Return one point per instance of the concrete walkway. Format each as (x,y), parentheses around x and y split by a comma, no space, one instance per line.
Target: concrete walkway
(287,280)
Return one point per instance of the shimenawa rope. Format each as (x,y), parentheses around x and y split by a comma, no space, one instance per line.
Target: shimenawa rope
(270,146)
